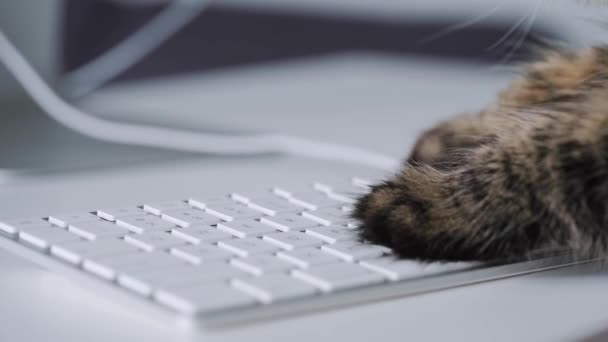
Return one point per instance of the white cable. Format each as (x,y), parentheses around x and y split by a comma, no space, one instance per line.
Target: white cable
(174,139)
(128,52)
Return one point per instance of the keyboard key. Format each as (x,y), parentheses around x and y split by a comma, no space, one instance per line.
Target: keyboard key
(343,197)
(144,223)
(335,211)
(110,267)
(395,269)
(43,236)
(362,182)
(207,298)
(97,229)
(338,276)
(239,198)
(331,216)
(260,264)
(243,197)
(333,234)
(322,186)
(308,257)
(351,225)
(75,251)
(440,267)
(247,246)
(272,206)
(232,211)
(135,284)
(353,251)
(154,241)
(189,217)
(346,188)
(64,220)
(275,287)
(209,271)
(160,207)
(347,209)
(201,204)
(312,200)
(11,227)
(327,217)
(141,261)
(282,192)
(245,228)
(292,240)
(342,191)
(145,281)
(99,270)
(197,254)
(288,222)
(197,235)
(116,213)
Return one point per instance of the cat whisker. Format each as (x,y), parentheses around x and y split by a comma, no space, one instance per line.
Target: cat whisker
(547,43)
(508,34)
(527,28)
(470,22)
(528,22)
(534,47)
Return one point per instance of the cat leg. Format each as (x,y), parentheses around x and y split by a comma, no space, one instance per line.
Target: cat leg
(440,145)
(559,81)
(540,187)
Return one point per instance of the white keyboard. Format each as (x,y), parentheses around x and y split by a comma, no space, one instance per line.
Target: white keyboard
(238,255)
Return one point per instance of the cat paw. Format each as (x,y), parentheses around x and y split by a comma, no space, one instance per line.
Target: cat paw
(404,213)
(429,214)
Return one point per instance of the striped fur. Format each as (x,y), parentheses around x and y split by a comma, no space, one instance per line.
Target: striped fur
(527,176)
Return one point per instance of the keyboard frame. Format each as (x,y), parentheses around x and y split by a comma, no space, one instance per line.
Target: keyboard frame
(306,305)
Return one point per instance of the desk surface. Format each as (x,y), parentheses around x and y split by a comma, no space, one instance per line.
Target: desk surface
(379,103)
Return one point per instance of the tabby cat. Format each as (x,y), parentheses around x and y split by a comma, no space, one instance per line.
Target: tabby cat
(526,176)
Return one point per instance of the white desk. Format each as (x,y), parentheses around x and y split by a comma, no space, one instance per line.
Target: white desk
(379,103)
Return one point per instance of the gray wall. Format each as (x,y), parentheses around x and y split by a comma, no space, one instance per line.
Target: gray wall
(33,24)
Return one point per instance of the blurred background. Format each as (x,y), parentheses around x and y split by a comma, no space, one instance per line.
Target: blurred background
(296,66)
